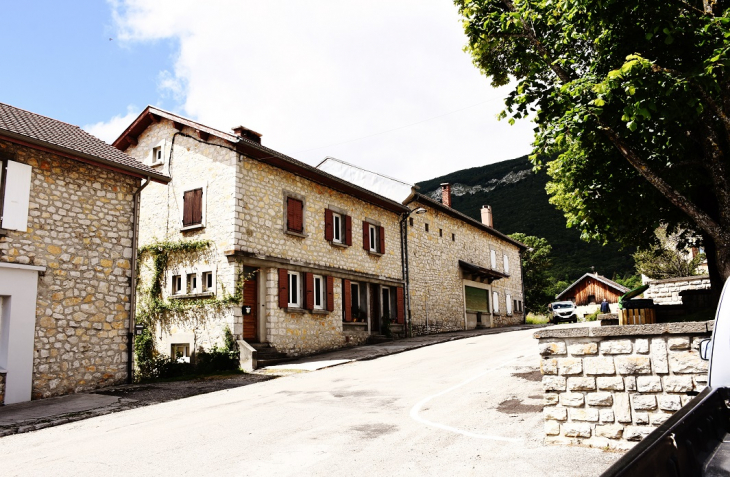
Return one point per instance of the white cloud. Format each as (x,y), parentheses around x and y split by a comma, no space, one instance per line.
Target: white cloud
(321,73)
(110,130)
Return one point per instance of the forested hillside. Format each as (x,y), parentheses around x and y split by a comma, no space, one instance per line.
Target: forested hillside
(520,204)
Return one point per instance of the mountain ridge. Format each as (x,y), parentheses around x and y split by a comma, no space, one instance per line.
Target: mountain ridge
(520,204)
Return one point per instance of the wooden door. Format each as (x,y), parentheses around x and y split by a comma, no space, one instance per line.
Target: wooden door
(250,298)
(374,309)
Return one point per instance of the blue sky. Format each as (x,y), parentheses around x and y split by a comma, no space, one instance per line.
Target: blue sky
(383,84)
(63,65)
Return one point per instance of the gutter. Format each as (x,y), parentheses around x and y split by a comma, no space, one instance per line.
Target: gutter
(133,294)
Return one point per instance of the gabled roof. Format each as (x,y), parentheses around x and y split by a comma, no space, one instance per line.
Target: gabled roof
(610,283)
(254,150)
(34,130)
(389,187)
(425,200)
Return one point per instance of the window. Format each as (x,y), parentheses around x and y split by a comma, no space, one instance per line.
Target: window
(410,221)
(14,195)
(517,308)
(506,264)
(207,281)
(426,227)
(477,299)
(157,156)
(192,283)
(508,304)
(355,294)
(453,237)
(181,352)
(176,284)
(373,238)
(441,232)
(337,227)
(494,260)
(294,215)
(495,302)
(193,208)
(318,292)
(294,294)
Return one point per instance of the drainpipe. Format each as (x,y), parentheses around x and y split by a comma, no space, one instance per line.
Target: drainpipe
(522,274)
(404,263)
(133,294)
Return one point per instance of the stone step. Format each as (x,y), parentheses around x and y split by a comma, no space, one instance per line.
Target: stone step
(377,339)
(262,363)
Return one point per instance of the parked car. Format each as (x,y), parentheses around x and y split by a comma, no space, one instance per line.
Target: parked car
(563,311)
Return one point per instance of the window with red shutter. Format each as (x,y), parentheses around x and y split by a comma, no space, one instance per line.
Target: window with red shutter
(308,291)
(347,299)
(400,305)
(192,207)
(381,239)
(330,293)
(283,288)
(366,235)
(294,215)
(348,230)
(329,232)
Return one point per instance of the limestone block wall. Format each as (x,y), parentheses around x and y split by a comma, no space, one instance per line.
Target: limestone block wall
(610,386)
(305,332)
(261,192)
(80,228)
(436,282)
(666,292)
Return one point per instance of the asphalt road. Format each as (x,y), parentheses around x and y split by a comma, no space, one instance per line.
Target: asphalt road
(467,407)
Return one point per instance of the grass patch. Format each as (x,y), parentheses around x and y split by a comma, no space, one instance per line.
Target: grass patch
(533,319)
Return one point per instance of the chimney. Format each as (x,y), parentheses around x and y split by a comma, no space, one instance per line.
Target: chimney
(247,133)
(487,215)
(446,194)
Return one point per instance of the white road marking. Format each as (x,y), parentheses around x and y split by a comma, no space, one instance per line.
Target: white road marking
(415,410)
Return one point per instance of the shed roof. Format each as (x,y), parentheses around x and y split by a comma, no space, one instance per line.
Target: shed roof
(609,283)
(34,130)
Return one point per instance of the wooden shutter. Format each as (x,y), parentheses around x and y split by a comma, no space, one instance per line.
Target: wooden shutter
(16,200)
(347,299)
(309,291)
(192,207)
(348,230)
(283,288)
(400,304)
(294,215)
(329,233)
(330,293)
(381,239)
(365,236)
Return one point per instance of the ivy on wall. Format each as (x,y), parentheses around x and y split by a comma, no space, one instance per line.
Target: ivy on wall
(153,309)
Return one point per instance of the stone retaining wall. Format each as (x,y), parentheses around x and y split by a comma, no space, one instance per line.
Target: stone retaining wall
(666,292)
(610,386)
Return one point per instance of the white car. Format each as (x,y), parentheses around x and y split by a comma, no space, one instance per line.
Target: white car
(563,311)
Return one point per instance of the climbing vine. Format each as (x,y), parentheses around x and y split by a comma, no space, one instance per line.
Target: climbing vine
(191,312)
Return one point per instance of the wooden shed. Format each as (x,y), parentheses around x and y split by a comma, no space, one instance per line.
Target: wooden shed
(592,288)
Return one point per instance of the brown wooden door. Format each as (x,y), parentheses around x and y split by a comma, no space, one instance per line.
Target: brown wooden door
(250,298)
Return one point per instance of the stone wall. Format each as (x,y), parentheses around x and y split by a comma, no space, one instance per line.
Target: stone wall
(436,283)
(2,388)
(666,292)
(80,229)
(610,386)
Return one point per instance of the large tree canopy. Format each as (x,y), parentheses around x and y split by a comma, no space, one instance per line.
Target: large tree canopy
(632,105)
(536,262)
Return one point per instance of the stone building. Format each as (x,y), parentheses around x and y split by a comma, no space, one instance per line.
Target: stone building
(462,273)
(318,258)
(66,257)
(589,291)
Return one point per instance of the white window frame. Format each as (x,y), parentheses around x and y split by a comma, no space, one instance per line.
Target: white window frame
(506,263)
(207,283)
(336,227)
(495,302)
(203,202)
(162,147)
(318,296)
(494,259)
(191,283)
(295,291)
(373,231)
(508,304)
(177,288)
